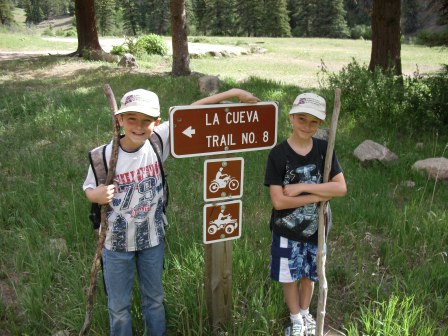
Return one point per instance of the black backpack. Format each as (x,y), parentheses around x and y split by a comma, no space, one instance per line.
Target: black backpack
(97,158)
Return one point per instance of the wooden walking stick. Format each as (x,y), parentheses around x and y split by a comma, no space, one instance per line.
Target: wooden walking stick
(103,228)
(321,257)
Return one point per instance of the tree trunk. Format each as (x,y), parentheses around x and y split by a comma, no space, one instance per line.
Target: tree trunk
(181,57)
(386,45)
(88,42)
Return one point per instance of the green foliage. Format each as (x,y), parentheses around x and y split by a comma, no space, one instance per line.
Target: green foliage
(152,44)
(329,19)
(105,15)
(276,19)
(48,32)
(376,98)
(39,10)
(395,317)
(433,38)
(119,50)
(361,31)
(6,12)
(410,10)
(70,32)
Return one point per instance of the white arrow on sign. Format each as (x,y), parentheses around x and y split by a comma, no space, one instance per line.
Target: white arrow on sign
(189,131)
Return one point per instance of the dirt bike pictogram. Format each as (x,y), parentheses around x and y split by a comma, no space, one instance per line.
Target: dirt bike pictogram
(219,184)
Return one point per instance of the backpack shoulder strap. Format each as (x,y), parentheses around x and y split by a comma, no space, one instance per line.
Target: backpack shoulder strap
(157,144)
(97,158)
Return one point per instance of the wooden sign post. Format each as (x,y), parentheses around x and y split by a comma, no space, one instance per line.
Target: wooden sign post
(218,284)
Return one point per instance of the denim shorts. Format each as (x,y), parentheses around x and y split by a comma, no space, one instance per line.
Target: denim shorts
(292,260)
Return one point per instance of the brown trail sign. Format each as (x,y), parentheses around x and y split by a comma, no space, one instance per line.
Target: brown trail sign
(198,130)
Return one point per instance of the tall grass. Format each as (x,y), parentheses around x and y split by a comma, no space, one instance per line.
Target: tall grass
(387,252)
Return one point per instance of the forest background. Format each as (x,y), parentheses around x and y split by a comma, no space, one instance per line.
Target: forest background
(270,18)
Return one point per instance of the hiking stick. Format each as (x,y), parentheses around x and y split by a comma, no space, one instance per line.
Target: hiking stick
(103,228)
(321,257)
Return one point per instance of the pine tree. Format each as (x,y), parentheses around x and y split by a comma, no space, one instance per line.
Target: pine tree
(330,21)
(130,17)
(221,17)
(33,12)
(6,12)
(276,19)
(154,16)
(105,14)
(410,10)
(200,21)
(358,12)
(250,17)
(305,17)
(292,8)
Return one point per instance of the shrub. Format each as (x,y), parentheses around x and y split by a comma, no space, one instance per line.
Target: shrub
(59,32)
(153,44)
(133,47)
(119,50)
(70,33)
(376,98)
(48,32)
(361,31)
(433,38)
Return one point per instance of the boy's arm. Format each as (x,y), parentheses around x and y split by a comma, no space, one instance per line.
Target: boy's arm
(281,201)
(242,95)
(335,188)
(102,194)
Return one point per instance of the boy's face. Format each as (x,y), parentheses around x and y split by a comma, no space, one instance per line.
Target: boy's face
(137,127)
(304,125)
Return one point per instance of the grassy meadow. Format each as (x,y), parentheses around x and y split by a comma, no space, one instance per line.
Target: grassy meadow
(387,263)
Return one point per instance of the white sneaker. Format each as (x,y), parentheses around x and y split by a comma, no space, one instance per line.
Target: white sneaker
(295,329)
(310,325)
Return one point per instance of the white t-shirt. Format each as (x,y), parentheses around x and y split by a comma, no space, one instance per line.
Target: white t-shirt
(136,221)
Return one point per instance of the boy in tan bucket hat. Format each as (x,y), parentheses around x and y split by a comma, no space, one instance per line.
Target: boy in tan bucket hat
(294,174)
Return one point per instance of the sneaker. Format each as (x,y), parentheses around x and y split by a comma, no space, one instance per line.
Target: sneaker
(310,325)
(295,329)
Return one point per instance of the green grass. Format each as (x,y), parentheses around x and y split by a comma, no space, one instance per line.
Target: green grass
(387,262)
(294,61)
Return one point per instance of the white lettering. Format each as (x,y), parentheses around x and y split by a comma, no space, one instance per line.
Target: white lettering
(248,138)
(241,117)
(220,140)
(214,122)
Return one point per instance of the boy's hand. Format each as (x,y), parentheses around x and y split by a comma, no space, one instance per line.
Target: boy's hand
(292,190)
(246,97)
(102,194)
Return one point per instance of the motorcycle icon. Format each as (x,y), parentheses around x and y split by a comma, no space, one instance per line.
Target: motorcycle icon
(228,224)
(223,180)
(222,183)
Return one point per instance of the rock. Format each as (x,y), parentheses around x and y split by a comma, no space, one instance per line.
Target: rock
(209,84)
(322,133)
(128,61)
(372,151)
(436,168)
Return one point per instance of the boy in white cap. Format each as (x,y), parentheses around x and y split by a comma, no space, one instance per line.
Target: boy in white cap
(136,237)
(294,174)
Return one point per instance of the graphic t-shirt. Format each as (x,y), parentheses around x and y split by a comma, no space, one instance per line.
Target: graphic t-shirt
(285,166)
(136,220)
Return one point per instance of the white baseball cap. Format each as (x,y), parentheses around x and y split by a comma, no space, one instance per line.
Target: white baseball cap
(142,101)
(309,103)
